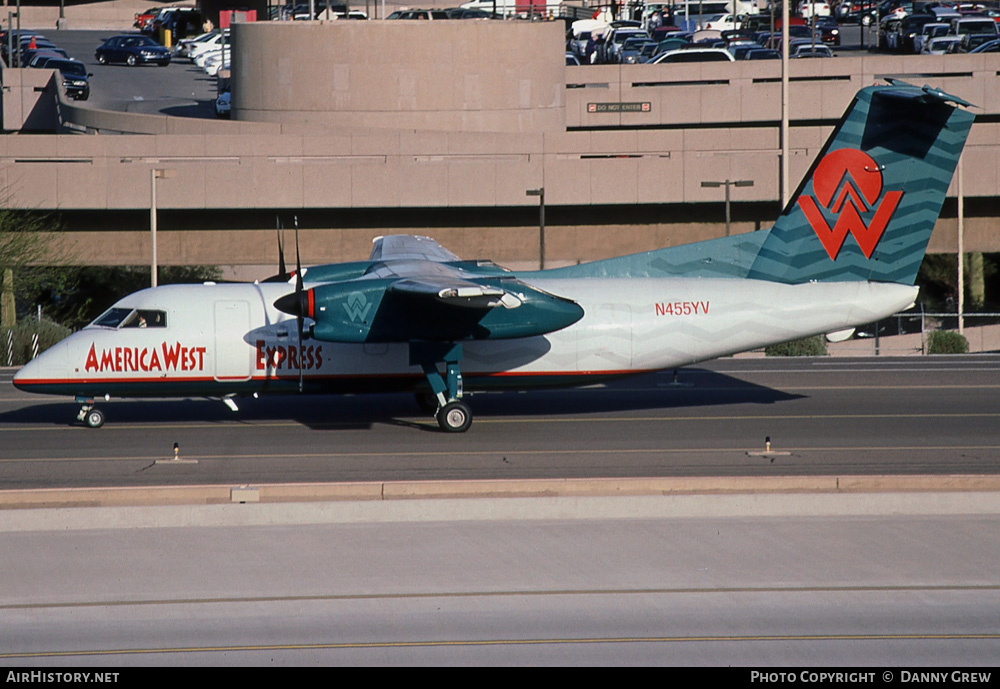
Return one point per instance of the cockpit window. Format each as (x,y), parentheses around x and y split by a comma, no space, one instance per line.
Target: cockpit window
(112,318)
(132,318)
(146,318)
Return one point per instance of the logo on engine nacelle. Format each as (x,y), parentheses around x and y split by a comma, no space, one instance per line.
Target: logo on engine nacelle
(357,306)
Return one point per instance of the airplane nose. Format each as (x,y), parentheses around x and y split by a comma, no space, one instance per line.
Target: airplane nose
(47,366)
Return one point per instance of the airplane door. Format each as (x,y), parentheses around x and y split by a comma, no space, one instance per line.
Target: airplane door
(233,355)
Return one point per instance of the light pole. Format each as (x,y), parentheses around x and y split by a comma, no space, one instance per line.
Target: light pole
(727,184)
(540,193)
(155,174)
(785,126)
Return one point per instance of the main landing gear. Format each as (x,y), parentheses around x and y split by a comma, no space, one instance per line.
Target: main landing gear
(89,414)
(452,414)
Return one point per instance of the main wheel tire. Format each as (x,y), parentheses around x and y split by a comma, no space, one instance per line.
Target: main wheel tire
(95,418)
(130,60)
(454,417)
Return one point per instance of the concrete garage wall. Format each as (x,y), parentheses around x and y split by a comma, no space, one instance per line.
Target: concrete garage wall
(433,75)
(332,124)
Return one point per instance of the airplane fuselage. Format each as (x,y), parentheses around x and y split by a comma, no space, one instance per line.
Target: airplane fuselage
(223,339)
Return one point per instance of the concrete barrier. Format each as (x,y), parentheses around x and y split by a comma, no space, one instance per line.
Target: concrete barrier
(529,488)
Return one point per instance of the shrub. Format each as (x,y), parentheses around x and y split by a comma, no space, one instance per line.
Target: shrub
(808,346)
(947,342)
(20,341)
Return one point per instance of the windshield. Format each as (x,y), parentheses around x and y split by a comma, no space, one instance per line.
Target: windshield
(119,317)
(73,68)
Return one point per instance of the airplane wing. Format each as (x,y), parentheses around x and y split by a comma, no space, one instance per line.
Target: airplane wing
(412,247)
(410,291)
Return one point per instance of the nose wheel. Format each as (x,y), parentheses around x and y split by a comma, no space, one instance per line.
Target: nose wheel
(91,415)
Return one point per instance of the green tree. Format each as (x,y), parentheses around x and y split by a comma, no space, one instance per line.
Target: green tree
(76,295)
(28,241)
(938,280)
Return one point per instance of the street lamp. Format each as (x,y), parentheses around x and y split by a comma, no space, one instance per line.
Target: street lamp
(155,174)
(727,184)
(540,193)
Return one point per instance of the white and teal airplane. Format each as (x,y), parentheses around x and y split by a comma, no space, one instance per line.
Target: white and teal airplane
(416,318)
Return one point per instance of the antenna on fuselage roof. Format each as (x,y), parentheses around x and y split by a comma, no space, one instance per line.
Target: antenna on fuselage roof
(282,270)
(298,293)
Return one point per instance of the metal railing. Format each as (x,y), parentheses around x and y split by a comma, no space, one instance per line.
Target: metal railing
(909,333)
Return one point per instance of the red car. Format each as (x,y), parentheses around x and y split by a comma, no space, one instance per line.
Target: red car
(143,18)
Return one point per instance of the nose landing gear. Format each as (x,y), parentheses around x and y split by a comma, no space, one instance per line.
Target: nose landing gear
(89,414)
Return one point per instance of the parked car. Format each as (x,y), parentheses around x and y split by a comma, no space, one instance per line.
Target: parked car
(153,25)
(694,55)
(43,56)
(142,18)
(132,50)
(971,41)
(75,78)
(615,40)
(28,55)
(762,54)
(991,47)
(631,50)
(981,25)
(465,13)
(182,46)
(214,55)
(739,50)
(422,14)
(213,42)
(180,21)
(938,45)
(909,28)
(223,104)
(810,50)
(216,63)
(814,8)
(927,32)
(722,22)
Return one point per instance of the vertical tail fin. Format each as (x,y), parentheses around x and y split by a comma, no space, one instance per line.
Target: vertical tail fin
(867,207)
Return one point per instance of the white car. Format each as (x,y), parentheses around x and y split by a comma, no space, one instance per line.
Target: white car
(810,50)
(693,55)
(722,22)
(216,63)
(181,49)
(204,57)
(939,45)
(222,104)
(927,32)
(808,9)
(213,43)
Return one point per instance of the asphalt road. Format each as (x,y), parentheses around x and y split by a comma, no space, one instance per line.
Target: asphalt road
(930,415)
(180,89)
(792,581)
